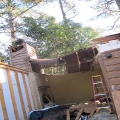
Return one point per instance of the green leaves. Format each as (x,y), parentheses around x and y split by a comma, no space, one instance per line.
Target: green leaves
(56,39)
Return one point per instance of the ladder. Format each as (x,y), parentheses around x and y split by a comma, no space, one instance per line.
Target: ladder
(98,86)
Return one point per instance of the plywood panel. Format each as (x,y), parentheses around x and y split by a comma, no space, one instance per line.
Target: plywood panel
(26,91)
(71,88)
(20,94)
(33,92)
(23,93)
(12,94)
(116,98)
(29,92)
(34,87)
(17,97)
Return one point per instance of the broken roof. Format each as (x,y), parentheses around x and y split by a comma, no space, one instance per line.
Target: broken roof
(78,61)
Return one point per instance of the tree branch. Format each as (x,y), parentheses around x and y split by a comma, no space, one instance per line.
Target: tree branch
(70,8)
(26,10)
(115,23)
(73,16)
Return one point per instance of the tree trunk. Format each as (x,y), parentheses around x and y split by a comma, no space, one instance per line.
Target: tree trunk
(11,25)
(118,3)
(11,22)
(63,13)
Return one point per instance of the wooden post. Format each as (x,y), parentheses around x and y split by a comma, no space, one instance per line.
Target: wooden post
(33,97)
(12,94)
(26,91)
(67,114)
(20,94)
(79,114)
(3,103)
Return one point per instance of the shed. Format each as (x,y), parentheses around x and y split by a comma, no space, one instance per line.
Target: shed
(81,65)
(109,59)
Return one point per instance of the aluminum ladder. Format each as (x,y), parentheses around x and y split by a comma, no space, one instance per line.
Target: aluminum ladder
(98,85)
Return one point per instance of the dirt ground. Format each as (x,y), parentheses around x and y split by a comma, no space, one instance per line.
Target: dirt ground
(103,114)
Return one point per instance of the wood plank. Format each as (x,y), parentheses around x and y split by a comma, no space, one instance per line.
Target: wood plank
(26,91)
(23,50)
(67,114)
(20,94)
(3,103)
(13,68)
(115,54)
(116,99)
(20,63)
(111,68)
(12,95)
(114,81)
(106,38)
(114,74)
(116,87)
(113,61)
(20,56)
(105,73)
(19,60)
(79,114)
(33,97)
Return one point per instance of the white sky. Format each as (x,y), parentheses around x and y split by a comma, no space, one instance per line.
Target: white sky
(85,15)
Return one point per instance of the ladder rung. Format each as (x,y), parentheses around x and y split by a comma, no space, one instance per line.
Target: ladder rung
(96,76)
(104,107)
(100,94)
(100,87)
(97,82)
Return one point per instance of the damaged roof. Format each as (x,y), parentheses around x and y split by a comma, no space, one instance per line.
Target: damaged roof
(78,61)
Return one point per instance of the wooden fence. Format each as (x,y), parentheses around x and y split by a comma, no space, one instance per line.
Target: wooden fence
(16,97)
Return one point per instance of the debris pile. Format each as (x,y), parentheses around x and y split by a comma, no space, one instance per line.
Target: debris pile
(83,110)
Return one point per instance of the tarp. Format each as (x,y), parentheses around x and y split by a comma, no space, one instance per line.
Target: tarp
(55,113)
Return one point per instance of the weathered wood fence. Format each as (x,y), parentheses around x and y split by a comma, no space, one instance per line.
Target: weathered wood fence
(16,97)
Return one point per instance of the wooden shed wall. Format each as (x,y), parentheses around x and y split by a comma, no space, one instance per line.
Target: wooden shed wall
(20,57)
(16,97)
(111,71)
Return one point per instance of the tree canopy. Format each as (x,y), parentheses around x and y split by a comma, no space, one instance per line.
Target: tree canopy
(56,39)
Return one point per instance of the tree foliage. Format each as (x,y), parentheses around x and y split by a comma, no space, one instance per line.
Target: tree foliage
(56,39)
(10,10)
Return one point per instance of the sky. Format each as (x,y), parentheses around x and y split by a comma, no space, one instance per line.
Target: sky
(86,17)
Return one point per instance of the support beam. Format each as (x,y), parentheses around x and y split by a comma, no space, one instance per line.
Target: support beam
(20,94)
(12,94)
